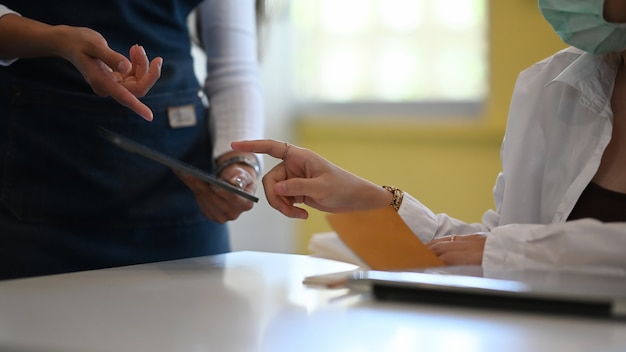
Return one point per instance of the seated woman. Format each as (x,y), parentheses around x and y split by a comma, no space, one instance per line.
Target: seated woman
(561,195)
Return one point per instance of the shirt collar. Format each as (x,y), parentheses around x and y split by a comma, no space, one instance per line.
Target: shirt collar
(593,76)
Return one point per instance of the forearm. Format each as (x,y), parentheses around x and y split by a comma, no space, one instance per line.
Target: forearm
(365,195)
(22,37)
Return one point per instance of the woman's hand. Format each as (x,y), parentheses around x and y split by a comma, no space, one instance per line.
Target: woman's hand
(109,73)
(459,250)
(305,177)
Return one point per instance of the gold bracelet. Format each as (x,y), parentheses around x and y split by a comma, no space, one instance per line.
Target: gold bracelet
(398,195)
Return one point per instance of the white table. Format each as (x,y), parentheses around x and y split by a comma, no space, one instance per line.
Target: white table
(251,301)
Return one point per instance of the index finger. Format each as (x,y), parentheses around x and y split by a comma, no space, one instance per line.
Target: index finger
(126,98)
(270,147)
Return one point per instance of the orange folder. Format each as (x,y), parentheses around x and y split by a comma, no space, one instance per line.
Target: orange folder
(382,240)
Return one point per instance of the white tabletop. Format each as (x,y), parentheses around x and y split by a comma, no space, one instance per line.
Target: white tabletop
(251,301)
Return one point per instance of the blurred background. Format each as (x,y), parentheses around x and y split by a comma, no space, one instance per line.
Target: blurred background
(410,93)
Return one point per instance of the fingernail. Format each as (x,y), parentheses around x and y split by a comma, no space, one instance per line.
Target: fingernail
(147,116)
(281,188)
(123,67)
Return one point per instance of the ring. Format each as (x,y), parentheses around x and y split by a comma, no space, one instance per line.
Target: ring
(452,238)
(286,150)
(238,182)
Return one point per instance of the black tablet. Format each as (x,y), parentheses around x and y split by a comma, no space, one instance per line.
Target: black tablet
(177,165)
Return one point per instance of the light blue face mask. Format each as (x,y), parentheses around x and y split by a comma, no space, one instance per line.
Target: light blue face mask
(580,23)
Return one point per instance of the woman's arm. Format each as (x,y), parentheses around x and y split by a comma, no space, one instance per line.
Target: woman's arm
(304,177)
(227,30)
(584,244)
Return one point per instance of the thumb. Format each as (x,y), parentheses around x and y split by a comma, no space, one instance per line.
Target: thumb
(116,61)
(303,187)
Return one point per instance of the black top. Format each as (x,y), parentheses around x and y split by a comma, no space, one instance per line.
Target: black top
(601,204)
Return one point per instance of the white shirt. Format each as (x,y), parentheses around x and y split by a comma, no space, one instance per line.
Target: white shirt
(559,124)
(5,10)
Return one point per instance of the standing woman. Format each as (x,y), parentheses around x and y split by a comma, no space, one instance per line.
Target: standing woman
(72,201)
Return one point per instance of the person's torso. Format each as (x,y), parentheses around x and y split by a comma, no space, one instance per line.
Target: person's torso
(55,167)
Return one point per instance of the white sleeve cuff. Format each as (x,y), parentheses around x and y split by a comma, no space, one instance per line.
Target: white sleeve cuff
(5,11)
(421,220)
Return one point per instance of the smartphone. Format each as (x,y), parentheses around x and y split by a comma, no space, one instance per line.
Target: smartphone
(177,165)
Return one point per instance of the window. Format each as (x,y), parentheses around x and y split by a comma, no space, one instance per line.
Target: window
(350,53)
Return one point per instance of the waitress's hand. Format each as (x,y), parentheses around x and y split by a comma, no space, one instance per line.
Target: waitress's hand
(459,250)
(218,204)
(305,177)
(109,73)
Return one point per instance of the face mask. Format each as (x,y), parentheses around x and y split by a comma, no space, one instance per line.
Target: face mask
(580,23)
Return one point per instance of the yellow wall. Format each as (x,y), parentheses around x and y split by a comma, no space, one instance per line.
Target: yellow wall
(450,166)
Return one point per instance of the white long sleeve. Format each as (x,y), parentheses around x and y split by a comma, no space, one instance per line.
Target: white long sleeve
(233,86)
(580,245)
(428,225)
(5,10)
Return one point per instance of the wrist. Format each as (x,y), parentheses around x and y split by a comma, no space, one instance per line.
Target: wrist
(250,160)
(397,195)
(59,41)
(369,196)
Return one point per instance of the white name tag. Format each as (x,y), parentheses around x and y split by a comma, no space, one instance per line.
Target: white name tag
(181,116)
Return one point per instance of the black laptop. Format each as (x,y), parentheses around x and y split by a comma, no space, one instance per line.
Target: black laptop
(562,292)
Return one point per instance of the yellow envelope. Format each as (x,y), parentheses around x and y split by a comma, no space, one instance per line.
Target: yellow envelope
(382,240)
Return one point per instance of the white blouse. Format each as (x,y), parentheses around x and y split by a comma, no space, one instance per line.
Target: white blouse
(559,123)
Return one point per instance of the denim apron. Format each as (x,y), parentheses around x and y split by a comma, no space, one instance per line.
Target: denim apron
(71,200)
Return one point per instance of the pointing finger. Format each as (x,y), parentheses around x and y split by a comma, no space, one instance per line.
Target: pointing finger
(270,147)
